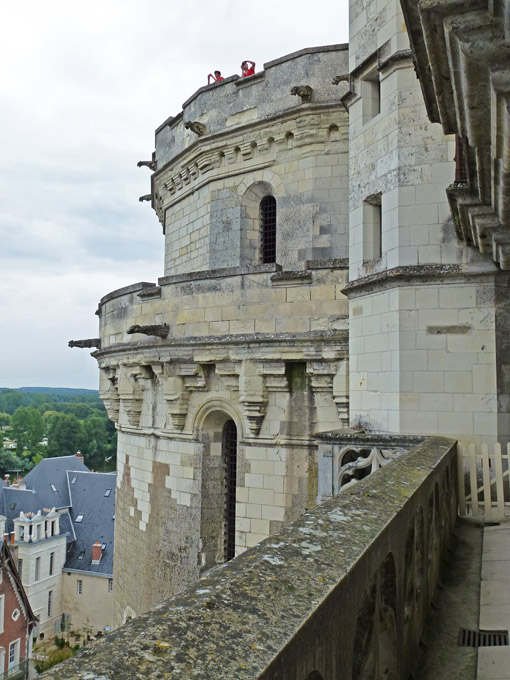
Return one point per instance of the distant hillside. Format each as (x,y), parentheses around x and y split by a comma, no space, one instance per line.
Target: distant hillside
(70,391)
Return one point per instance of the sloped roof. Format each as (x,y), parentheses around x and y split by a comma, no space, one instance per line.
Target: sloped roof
(90,499)
(49,480)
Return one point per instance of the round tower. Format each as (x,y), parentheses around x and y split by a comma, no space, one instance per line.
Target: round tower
(219,375)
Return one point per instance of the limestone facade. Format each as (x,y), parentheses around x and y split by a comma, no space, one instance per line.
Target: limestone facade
(424,310)
(230,339)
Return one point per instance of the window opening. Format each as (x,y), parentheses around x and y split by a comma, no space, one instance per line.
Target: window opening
(229,446)
(20,568)
(107,492)
(79,518)
(81,555)
(53,488)
(372,228)
(52,561)
(37,568)
(268,229)
(370,96)
(50,597)
(73,481)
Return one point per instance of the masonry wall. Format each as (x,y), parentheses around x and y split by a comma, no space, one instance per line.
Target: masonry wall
(422,310)
(92,608)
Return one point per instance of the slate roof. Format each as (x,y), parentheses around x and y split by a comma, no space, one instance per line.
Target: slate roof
(53,471)
(91,499)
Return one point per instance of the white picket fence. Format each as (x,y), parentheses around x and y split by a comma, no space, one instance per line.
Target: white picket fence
(484,481)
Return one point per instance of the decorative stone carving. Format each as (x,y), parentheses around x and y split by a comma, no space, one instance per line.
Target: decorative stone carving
(133,381)
(178,381)
(252,395)
(108,391)
(340,79)
(146,197)
(89,342)
(195,126)
(355,462)
(161,330)
(148,164)
(303,91)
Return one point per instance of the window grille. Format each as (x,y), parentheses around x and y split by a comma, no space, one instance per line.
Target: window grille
(229,446)
(50,597)
(52,560)
(268,229)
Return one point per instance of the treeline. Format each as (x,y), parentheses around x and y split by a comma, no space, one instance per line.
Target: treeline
(69,422)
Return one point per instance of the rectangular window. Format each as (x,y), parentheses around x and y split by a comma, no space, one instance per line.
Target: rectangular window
(79,587)
(2,612)
(52,563)
(50,597)
(37,568)
(20,569)
(372,228)
(370,96)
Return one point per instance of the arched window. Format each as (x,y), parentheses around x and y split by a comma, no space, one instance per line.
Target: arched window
(229,453)
(268,229)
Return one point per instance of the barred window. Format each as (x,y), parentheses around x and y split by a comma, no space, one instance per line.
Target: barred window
(229,446)
(268,229)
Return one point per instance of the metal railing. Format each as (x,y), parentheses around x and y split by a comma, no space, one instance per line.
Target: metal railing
(17,672)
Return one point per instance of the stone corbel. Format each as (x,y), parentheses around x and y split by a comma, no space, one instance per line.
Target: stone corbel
(341,392)
(252,395)
(228,371)
(321,375)
(275,378)
(133,380)
(108,392)
(176,396)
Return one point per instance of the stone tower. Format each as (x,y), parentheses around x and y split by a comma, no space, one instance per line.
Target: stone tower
(425,311)
(218,375)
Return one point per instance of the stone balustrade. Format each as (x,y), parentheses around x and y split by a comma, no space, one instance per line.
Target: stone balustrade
(343,592)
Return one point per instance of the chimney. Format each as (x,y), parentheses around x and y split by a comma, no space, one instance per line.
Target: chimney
(6,480)
(79,455)
(12,537)
(97,551)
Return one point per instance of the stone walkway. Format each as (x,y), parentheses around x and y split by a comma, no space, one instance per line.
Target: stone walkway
(494,662)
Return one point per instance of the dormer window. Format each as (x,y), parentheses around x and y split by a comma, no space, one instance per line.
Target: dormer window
(107,492)
(79,518)
(81,555)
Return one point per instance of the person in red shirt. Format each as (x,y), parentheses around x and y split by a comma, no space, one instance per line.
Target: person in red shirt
(247,68)
(215,78)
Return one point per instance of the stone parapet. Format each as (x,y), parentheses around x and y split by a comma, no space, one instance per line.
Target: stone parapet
(342,577)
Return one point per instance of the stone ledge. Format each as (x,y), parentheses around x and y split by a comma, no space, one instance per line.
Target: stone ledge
(126,290)
(292,600)
(219,273)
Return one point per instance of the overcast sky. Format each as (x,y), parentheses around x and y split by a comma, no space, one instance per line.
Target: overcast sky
(82,88)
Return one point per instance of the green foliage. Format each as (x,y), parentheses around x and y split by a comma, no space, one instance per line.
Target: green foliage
(5,419)
(65,435)
(27,427)
(9,462)
(54,657)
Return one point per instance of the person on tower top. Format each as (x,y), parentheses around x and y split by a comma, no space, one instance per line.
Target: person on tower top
(247,68)
(215,78)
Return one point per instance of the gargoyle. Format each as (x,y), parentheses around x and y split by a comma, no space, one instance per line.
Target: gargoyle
(339,79)
(90,342)
(147,164)
(161,330)
(303,91)
(147,197)
(196,127)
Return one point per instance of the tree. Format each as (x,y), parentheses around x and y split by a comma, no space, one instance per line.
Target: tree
(65,435)
(27,427)
(10,462)
(95,440)
(5,419)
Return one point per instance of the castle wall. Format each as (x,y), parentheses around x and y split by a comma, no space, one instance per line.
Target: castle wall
(422,309)
(256,139)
